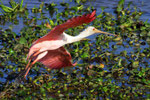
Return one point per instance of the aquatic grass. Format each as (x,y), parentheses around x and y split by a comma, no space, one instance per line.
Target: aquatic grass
(14,7)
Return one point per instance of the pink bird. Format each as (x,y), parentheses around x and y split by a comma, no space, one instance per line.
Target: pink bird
(49,49)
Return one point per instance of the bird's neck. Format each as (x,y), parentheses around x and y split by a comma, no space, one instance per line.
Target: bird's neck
(82,35)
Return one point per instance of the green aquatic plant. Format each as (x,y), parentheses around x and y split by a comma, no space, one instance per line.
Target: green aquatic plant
(108,67)
(10,13)
(14,7)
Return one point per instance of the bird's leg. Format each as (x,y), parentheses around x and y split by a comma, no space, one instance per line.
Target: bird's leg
(34,55)
(28,64)
(28,68)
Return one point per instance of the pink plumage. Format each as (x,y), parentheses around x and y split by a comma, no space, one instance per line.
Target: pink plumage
(54,34)
(48,49)
(56,59)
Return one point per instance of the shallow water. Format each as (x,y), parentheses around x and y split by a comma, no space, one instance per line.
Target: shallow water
(110,5)
(143,5)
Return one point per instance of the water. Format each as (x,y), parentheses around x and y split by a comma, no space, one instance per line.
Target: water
(110,5)
(143,5)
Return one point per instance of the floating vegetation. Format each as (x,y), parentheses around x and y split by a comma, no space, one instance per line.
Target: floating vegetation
(109,67)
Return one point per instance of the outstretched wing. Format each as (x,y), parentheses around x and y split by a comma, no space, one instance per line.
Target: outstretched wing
(54,34)
(73,22)
(56,59)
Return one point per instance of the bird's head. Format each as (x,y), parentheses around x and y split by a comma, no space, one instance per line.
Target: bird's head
(93,30)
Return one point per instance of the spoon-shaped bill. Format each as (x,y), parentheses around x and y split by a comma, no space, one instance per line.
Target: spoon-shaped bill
(98,31)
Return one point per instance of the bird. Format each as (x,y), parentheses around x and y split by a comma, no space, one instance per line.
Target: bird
(49,49)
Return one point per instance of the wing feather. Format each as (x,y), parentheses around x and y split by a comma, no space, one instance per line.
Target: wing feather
(55,33)
(73,22)
(56,59)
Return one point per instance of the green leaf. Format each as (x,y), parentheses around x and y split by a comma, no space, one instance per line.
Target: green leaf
(21,92)
(22,40)
(50,85)
(140,74)
(6,9)
(119,63)
(51,22)
(119,9)
(11,51)
(84,55)
(135,64)
(28,98)
(15,7)
(105,89)
(103,8)
(117,39)
(42,90)
(21,4)
(121,2)
(78,1)
(12,3)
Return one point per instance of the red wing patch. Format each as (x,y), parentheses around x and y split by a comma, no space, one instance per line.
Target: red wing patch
(55,33)
(73,22)
(56,59)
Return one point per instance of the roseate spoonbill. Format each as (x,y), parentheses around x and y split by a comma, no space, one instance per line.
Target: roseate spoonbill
(49,49)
